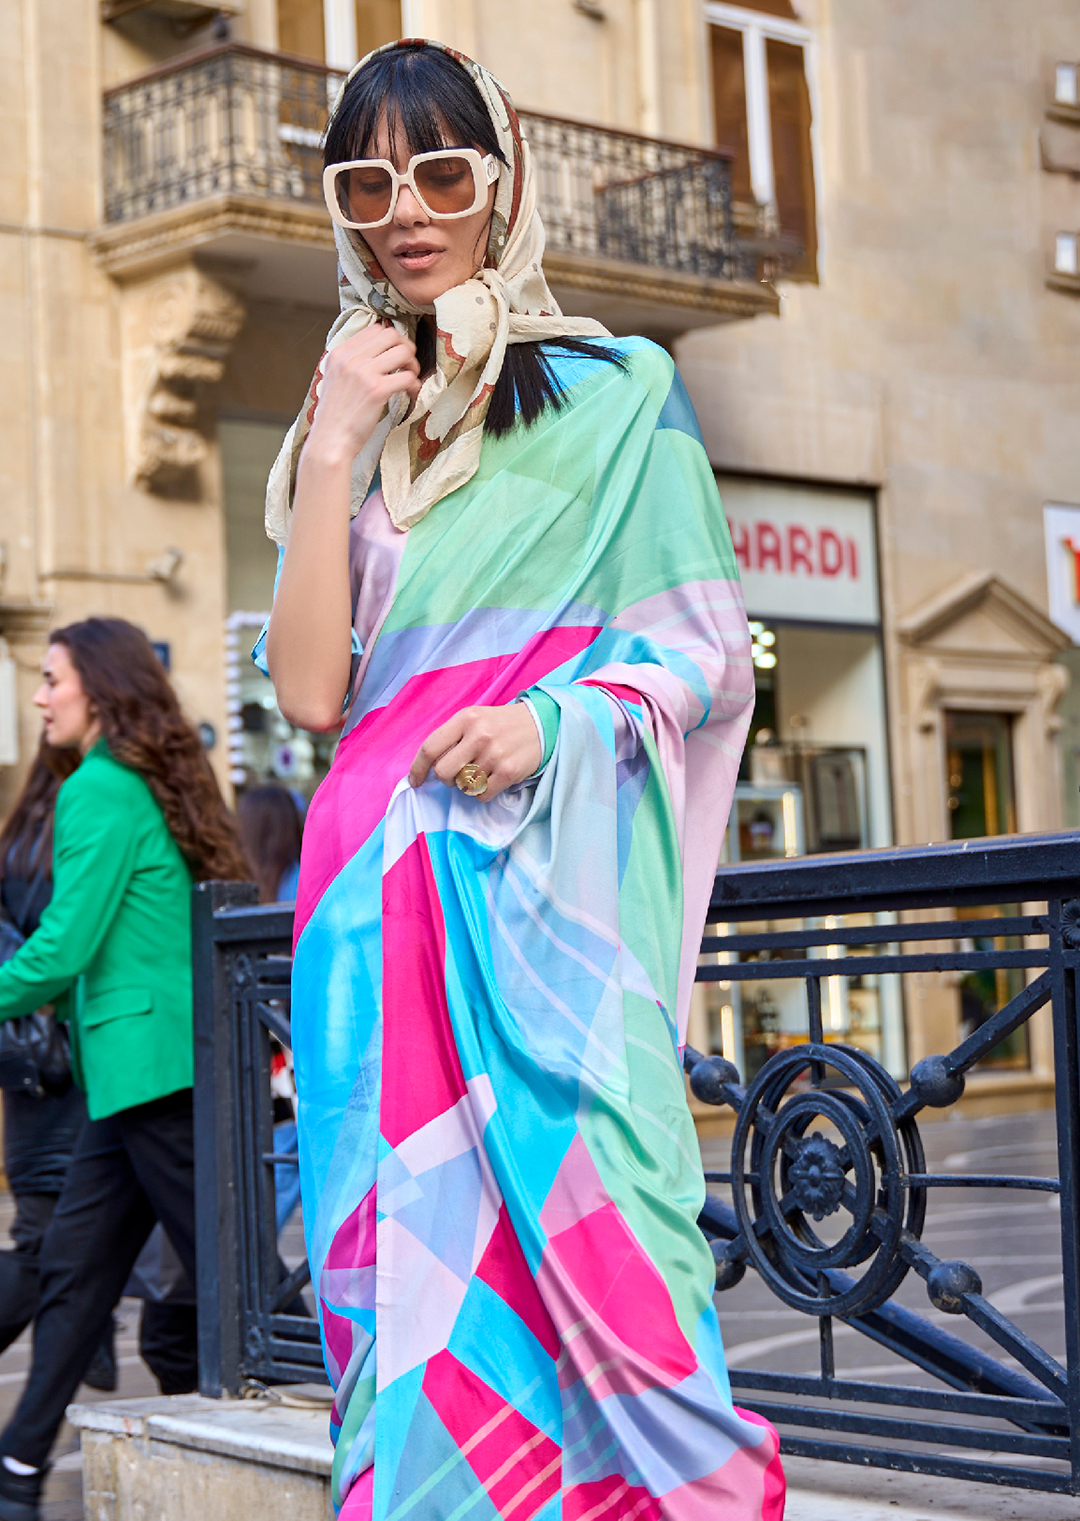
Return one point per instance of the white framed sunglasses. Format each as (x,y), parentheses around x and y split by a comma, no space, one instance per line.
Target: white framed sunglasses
(449,183)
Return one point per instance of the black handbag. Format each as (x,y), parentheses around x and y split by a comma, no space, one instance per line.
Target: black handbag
(35,1053)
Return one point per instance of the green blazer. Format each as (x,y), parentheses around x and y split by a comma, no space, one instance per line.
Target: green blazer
(117,934)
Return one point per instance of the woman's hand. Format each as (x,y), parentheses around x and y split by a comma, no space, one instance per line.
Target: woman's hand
(308,645)
(501,741)
(359,378)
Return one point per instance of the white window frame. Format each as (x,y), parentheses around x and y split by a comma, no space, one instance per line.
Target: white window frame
(756,29)
(339,32)
(339,27)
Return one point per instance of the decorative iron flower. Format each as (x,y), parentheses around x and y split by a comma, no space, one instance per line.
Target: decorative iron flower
(1070,923)
(817,1177)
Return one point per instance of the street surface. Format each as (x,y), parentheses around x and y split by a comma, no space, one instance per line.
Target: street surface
(1010,1237)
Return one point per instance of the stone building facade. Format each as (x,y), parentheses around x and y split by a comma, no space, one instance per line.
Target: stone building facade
(874,298)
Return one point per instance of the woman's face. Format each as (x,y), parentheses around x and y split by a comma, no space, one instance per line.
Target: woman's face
(423,258)
(65,707)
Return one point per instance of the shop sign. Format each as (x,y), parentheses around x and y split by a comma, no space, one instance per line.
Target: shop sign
(1061,529)
(803,552)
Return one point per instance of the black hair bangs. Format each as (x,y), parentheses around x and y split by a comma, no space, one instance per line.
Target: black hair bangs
(426,98)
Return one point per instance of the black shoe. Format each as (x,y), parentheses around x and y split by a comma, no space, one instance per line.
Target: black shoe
(101,1373)
(20,1494)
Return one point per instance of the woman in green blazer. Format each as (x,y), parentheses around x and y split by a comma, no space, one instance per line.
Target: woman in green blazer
(136,823)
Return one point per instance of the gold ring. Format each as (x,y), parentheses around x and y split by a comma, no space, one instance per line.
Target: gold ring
(472,780)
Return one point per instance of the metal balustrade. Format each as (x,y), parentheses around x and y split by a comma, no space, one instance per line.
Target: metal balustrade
(235,121)
(826,1197)
(228,121)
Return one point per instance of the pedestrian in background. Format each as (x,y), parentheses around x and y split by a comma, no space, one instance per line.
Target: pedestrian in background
(140,818)
(43,1111)
(270,830)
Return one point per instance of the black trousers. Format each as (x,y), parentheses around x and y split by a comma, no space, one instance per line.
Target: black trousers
(20,1269)
(169,1345)
(128,1171)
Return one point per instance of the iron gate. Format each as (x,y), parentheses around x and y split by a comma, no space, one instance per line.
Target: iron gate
(826,1196)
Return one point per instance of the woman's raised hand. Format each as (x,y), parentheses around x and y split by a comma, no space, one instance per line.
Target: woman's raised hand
(501,741)
(359,378)
(308,641)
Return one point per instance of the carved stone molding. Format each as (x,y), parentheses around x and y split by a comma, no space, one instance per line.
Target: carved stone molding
(980,645)
(924,679)
(23,619)
(178,327)
(1053,682)
(644,283)
(134,250)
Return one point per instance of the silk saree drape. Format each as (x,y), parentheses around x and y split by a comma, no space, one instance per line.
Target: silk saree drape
(500,1174)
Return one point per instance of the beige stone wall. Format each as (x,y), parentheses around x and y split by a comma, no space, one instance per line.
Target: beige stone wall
(643,67)
(271,363)
(931,360)
(72,524)
(264,385)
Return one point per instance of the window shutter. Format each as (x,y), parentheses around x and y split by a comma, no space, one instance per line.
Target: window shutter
(301,29)
(729,105)
(377,21)
(793,167)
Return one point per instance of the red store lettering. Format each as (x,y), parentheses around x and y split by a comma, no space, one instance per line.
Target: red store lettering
(795,550)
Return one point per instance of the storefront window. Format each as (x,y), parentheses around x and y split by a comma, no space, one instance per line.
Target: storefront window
(980,774)
(815,774)
(263,745)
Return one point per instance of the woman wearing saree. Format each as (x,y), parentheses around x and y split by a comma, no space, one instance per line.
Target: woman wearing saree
(508,567)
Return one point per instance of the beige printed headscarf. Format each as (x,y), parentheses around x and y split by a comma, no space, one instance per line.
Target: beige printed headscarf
(429,450)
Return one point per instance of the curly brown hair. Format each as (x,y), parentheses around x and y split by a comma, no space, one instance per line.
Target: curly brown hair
(134,703)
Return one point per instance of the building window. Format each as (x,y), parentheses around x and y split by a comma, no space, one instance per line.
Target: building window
(980,781)
(815,775)
(263,745)
(982,801)
(337,32)
(301,29)
(762,85)
(377,21)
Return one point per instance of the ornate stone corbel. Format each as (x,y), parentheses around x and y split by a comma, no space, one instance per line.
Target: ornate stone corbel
(1053,683)
(925,687)
(178,328)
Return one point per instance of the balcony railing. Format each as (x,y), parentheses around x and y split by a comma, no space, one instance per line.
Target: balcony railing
(833,1197)
(236,122)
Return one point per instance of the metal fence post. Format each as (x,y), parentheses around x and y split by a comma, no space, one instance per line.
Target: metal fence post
(217,1156)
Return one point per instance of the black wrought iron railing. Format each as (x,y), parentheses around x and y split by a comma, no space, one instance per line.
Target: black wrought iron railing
(831,1198)
(248,1328)
(236,121)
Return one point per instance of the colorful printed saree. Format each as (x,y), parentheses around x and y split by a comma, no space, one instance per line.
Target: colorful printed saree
(500,1173)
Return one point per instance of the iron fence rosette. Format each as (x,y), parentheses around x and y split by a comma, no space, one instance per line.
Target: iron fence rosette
(788,1177)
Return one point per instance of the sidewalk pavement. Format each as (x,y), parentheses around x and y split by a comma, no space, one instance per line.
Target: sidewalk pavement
(820,1491)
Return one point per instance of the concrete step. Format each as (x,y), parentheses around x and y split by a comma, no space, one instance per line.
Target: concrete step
(181,1458)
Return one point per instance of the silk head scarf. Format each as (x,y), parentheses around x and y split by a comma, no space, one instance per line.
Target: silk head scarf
(432,448)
